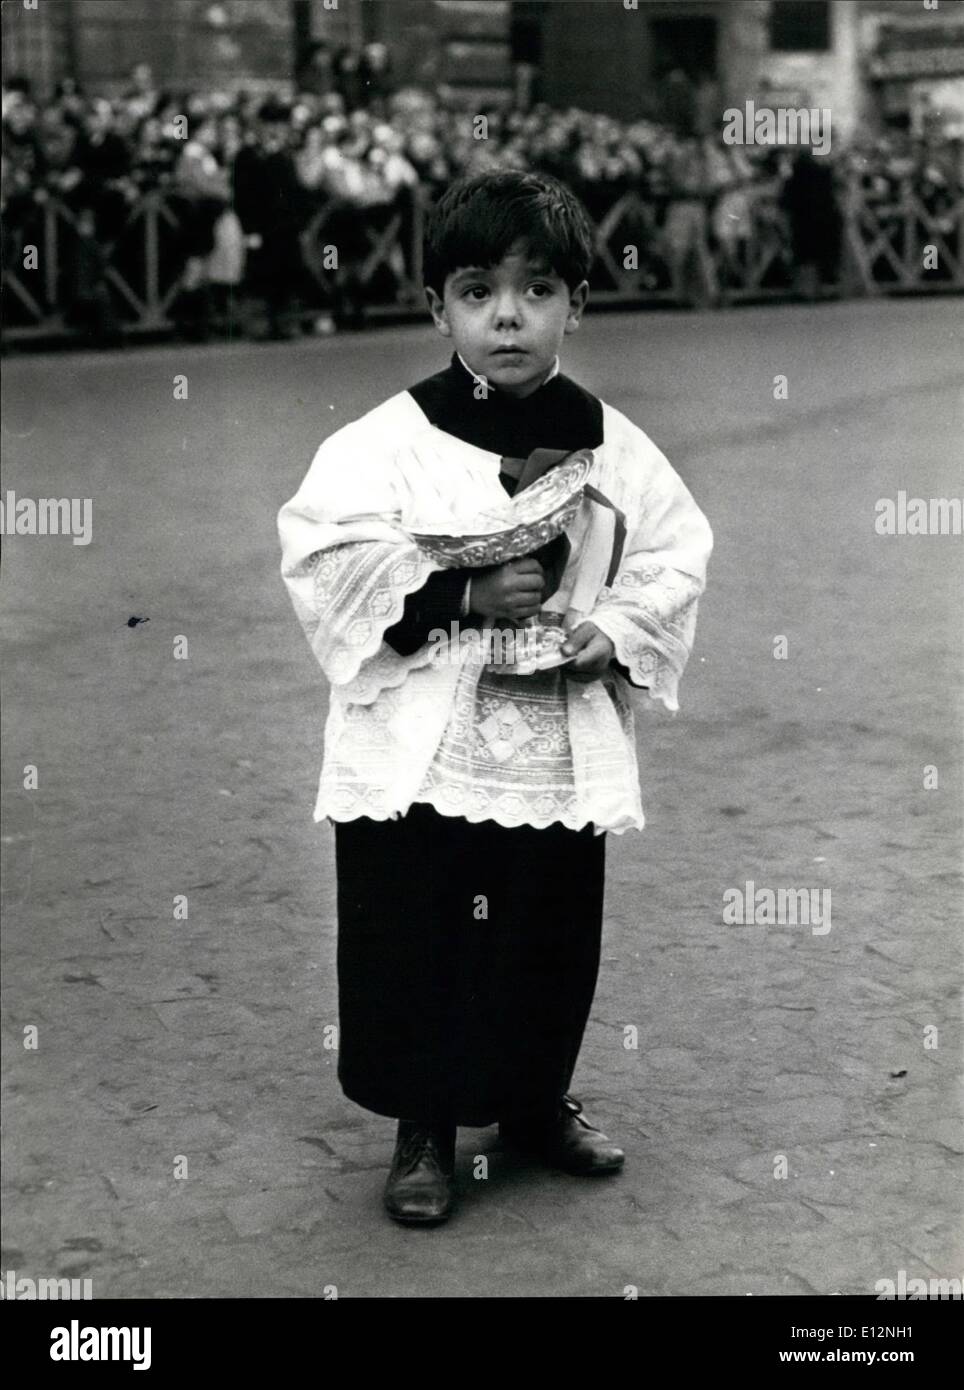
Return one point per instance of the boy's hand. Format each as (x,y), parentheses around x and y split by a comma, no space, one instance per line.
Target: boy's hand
(513,590)
(593,653)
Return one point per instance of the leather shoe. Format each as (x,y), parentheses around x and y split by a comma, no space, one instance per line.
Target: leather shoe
(420,1186)
(568,1142)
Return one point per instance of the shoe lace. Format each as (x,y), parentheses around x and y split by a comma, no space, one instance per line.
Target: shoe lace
(569,1109)
(421,1143)
(573,1107)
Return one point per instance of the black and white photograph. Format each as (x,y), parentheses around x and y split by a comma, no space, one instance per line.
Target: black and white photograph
(483,669)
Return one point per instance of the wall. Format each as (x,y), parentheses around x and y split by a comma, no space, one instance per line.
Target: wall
(602,56)
(187,42)
(458,47)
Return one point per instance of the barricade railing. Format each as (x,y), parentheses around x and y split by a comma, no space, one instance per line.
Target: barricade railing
(394,243)
(899,244)
(892,245)
(45,292)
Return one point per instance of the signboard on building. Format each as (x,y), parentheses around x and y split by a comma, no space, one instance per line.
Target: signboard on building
(919,69)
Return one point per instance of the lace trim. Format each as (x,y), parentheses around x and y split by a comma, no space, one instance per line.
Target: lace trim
(505,816)
(649,614)
(569,757)
(346,598)
(338,815)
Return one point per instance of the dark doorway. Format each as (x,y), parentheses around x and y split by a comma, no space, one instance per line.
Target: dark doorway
(687,45)
(525,31)
(684,72)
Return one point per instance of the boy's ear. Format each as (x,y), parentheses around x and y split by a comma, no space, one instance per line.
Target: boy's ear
(437,309)
(577,302)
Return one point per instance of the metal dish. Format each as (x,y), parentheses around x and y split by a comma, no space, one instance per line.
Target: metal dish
(539,514)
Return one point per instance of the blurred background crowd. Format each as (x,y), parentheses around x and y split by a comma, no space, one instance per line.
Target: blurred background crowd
(245,176)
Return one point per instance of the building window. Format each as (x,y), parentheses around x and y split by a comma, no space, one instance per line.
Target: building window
(800,26)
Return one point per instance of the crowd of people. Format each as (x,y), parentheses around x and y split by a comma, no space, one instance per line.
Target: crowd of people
(244,176)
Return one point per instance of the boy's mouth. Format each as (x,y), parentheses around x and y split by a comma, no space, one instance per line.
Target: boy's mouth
(509,350)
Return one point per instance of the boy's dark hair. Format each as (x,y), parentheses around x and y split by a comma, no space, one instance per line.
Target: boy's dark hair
(480,216)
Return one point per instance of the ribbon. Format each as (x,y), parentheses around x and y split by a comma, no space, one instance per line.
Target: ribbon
(539,462)
(619,532)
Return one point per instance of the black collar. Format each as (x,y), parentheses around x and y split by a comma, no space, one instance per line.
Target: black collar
(558,415)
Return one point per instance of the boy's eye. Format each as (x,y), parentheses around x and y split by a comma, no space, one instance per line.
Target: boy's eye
(477,292)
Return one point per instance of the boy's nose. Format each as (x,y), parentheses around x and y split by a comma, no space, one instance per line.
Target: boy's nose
(507,311)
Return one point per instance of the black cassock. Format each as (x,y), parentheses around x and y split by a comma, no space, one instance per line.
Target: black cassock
(468,953)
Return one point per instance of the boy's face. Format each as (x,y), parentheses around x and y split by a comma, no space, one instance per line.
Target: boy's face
(515,304)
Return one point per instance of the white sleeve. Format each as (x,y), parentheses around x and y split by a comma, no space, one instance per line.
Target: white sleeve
(347,562)
(649,611)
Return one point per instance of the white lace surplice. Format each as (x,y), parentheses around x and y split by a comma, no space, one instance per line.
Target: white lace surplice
(437,726)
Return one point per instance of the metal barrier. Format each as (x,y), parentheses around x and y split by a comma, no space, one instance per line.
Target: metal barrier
(48,303)
(885,250)
(891,244)
(395,247)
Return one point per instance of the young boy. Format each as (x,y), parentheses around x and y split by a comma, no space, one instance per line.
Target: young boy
(471,803)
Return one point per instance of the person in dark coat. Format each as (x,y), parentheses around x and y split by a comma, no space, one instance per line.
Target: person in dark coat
(105,160)
(273,208)
(816,223)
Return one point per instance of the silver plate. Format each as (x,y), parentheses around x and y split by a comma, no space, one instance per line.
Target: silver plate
(540,513)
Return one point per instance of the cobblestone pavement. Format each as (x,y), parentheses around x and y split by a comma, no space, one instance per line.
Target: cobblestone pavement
(204,1037)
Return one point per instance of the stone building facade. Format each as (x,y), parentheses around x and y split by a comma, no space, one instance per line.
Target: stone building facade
(683,60)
